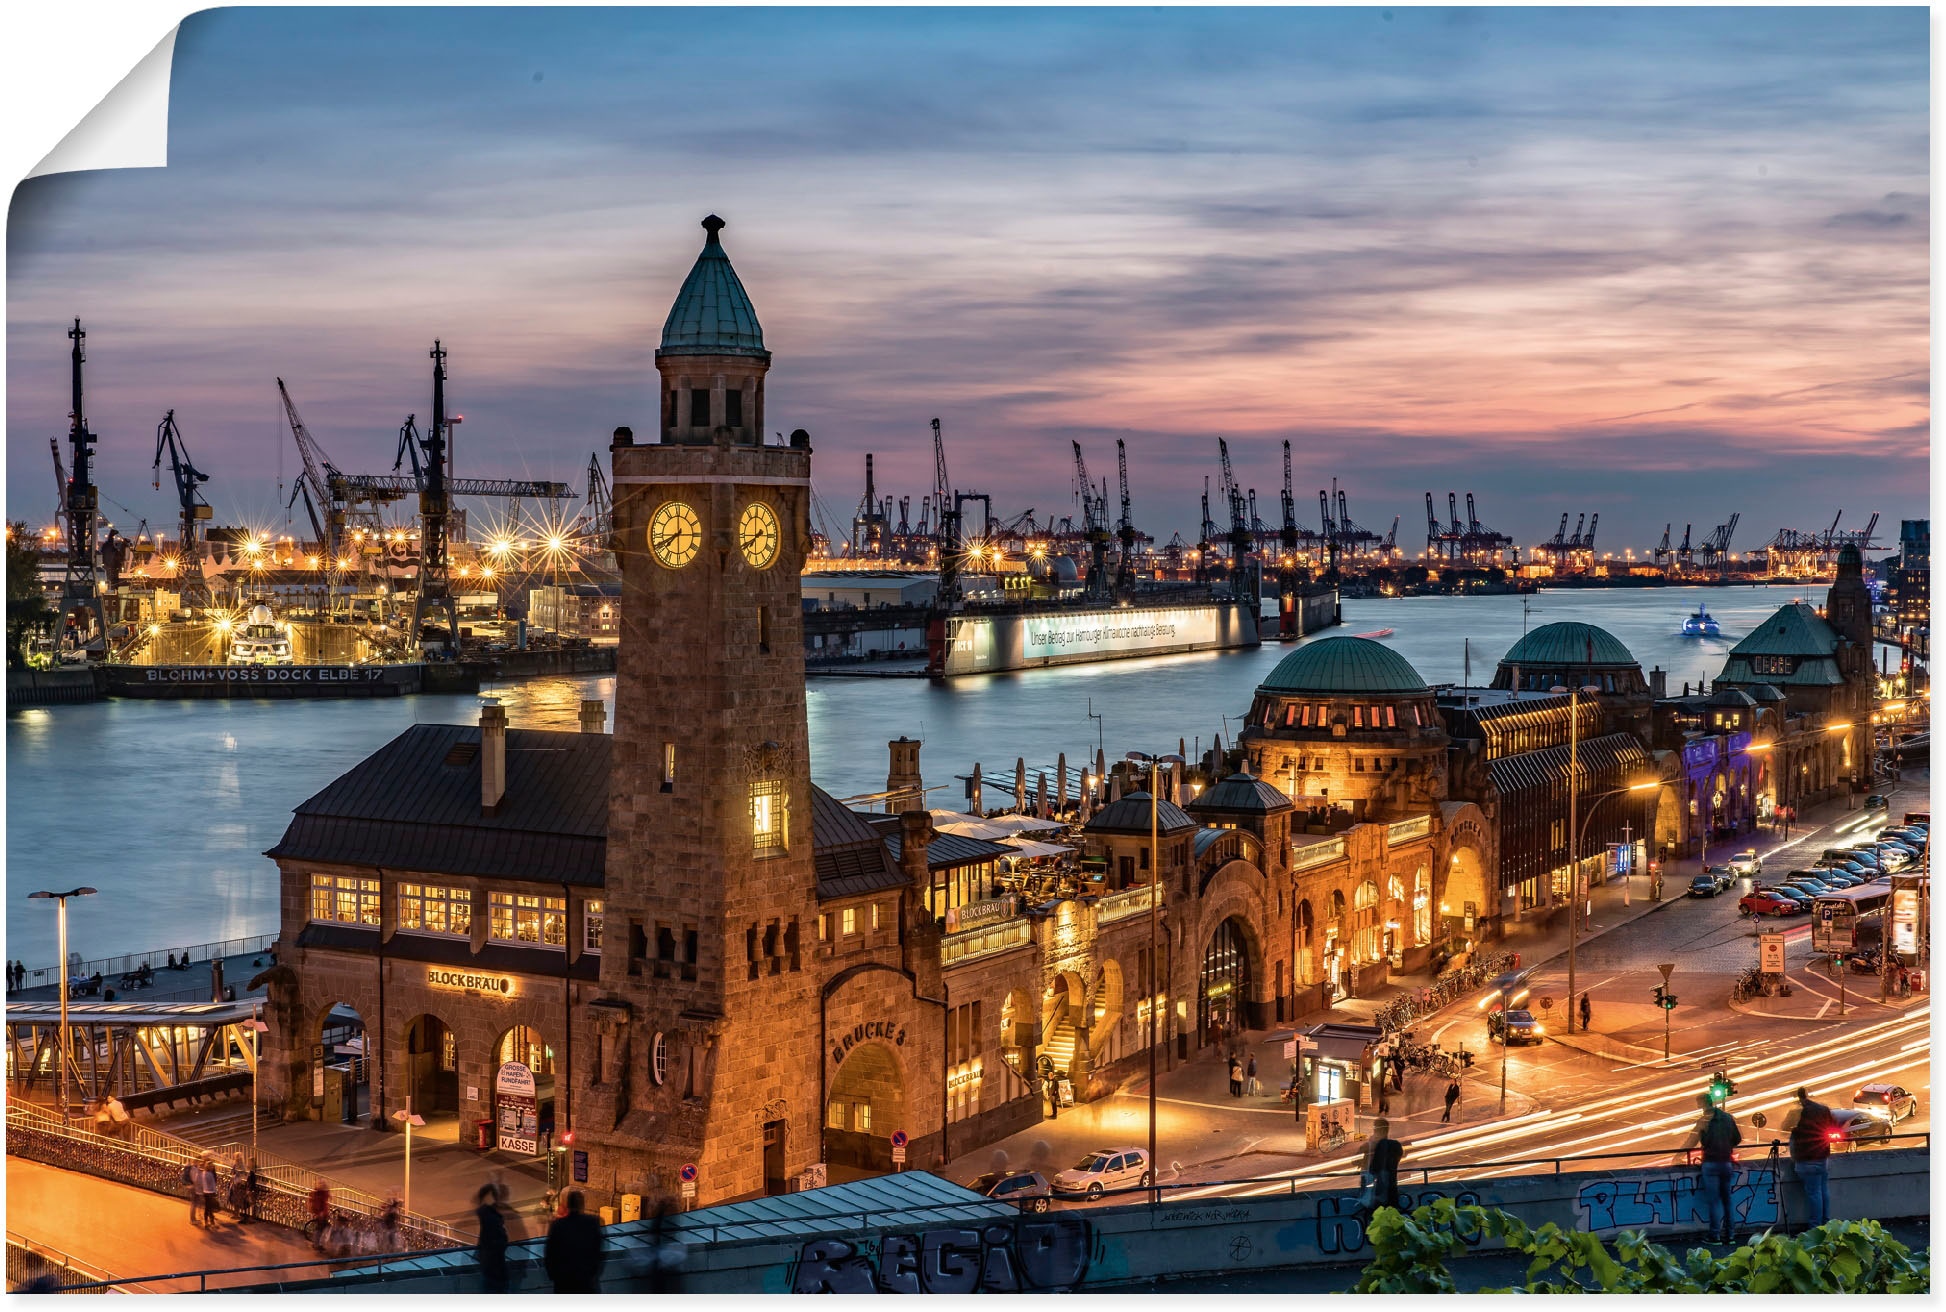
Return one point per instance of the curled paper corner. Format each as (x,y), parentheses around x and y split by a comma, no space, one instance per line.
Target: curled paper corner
(129,129)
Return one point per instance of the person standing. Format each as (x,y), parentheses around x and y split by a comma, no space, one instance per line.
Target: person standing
(1236,1077)
(574,1253)
(1718,1136)
(206,1187)
(1382,1157)
(1811,1156)
(1250,1075)
(491,1249)
(1587,1010)
(1452,1098)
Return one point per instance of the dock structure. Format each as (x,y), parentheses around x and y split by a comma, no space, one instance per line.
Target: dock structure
(142,1054)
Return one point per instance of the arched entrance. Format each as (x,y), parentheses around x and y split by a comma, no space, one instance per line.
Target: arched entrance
(345,1083)
(867,1104)
(1464,903)
(523,1092)
(1105,1015)
(1064,1017)
(431,1075)
(1223,987)
(1304,935)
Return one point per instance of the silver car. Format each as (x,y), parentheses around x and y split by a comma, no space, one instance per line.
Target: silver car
(1099,1172)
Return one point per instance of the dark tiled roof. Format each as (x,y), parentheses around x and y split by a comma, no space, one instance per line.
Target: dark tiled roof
(1241,793)
(948,851)
(415,805)
(851,856)
(1532,769)
(1130,815)
(442,951)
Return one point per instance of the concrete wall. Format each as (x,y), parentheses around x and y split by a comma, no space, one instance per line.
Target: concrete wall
(1104,1247)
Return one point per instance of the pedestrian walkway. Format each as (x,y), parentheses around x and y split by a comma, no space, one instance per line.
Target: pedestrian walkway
(124,1231)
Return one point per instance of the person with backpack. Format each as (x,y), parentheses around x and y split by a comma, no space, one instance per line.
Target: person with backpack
(1717,1136)
(1811,1156)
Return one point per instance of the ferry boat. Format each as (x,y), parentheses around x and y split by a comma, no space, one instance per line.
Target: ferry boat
(1702,624)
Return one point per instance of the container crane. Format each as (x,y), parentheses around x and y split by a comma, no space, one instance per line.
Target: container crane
(1094,513)
(1287,534)
(1206,541)
(189,500)
(60,482)
(428,455)
(942,487)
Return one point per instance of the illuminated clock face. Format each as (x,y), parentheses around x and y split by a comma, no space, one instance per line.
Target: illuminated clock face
(757,534)
(675,534)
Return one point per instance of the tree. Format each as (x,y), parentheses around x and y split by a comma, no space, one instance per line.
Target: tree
(1840,1257)
(27,610)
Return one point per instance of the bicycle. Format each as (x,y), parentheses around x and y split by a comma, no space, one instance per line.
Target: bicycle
(1331,1136)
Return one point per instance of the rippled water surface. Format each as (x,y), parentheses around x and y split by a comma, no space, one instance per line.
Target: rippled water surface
(167,807)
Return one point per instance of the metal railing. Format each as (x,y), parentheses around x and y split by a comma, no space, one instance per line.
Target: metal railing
(28,1260)
(153,1159)
(1128,902)
(1404,831)
(115,967)
(1317,854)
(525,1254)
(984,942)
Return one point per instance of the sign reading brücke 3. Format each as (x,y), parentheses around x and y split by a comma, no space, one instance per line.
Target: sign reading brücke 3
(467,981)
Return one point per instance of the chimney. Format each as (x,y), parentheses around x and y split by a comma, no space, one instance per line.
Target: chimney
(594,715)
(1659,683)
(904,788)
(915,833)
(920,941)
(493,755)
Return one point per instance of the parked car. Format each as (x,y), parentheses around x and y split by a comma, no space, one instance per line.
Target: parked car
(1864,856)
(1708,884)
(1514,1027)
(1855,1125)
(1028,1189)
(1888,1102)
(1840,878)
(1098,1172)
(1769,902)
(1808,884)
(1747,862)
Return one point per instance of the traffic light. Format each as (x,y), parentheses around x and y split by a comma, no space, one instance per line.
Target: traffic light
(1664,998)
(1721,1088)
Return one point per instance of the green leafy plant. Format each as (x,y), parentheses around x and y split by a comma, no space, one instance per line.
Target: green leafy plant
(1411,1255)
(28,612)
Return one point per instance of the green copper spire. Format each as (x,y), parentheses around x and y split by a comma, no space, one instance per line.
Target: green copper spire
(712,314)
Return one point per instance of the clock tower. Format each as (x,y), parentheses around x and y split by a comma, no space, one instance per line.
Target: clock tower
(703,1046)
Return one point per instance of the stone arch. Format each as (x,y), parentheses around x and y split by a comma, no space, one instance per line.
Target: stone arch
(1463,903)
(1422,905)
(339,1029)
(865,1105)
(1107,1005)
(1304,944)
(1019,1042)
(1064,1022)
(515,1125)
(428,1073)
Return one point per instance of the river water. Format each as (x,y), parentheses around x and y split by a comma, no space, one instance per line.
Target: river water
(167,806)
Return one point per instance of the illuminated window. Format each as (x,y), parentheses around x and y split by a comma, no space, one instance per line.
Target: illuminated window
(834,1116)
(861,1117)
(519,918)
(1358,717)
(346,899)
(767,817)
(824,929)
(668,767)
(874,915)
(850,915)
(591,922)
(429,909)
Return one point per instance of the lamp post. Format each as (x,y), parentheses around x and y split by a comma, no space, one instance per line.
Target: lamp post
(1155,764)
(1574,877)
(257,1028)
(408,1118)
(61,918)
(1574,828)
(1509,994)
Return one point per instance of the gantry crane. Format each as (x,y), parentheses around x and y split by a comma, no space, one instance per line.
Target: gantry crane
(1125,529)
(1094,526)
(189,555)
(82,581)
(1243,582)
(428,454)
(942,489)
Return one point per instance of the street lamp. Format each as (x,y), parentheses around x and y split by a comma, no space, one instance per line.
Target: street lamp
(1155,764)
(1510,993)
(1574,870)
(61,916)
(257,1028)
(408,1118)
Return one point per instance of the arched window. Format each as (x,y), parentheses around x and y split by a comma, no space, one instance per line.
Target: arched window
(1422,906)
(1395,889)
(1307,966)
(1367,895)
(1337,904)
(1365,936)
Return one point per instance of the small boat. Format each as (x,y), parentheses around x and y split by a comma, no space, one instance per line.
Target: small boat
(1700,625)
(1375,633)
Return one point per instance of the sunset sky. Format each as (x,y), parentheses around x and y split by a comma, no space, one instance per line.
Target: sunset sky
(1660,264)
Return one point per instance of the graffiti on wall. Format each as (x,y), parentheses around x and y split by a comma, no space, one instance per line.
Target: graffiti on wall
(1049,1253)
(1675,1200)
(1341,1226)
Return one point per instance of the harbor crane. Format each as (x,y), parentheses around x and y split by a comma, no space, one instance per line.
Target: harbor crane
(189,500)
(942,487)
(1243,566)
(82,580)
(60,482)
(1661,553)
(1287,534)
(1094,526)
(868,522)
(1125,529)
(1716,547)
(1206,539)
(429,454)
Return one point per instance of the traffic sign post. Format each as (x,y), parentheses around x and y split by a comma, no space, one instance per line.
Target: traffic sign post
(899,1141)
(688,1177)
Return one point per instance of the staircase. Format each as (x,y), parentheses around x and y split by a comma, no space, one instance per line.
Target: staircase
(1058,1047)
